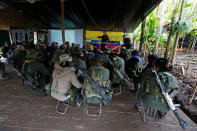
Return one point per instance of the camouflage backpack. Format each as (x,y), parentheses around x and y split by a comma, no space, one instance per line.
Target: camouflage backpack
(152,96)
(90,95)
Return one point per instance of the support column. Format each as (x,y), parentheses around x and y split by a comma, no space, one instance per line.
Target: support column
(62,14)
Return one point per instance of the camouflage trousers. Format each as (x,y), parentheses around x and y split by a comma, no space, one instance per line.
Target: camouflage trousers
(2,69)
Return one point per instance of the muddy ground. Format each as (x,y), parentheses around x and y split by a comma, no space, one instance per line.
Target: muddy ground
(20,111)
(187,82)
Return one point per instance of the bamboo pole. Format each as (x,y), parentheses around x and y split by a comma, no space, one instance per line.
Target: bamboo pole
(62,14)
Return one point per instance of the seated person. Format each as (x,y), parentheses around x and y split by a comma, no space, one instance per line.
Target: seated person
(119,63)
(125,53)
(148,69)
(150,91)
(63,79)
(19,57)
(32,67)
(80,61)
(134,67)
(97,73)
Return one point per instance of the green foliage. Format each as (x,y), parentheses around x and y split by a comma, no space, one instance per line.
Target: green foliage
(136,34)
(182,26)
(150,32)
(162,39)
(187,5)
(193,33)
(188,24)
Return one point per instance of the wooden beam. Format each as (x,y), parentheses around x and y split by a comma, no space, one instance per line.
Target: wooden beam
(63,29)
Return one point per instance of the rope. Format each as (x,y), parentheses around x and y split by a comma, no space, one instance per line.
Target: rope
(94,20)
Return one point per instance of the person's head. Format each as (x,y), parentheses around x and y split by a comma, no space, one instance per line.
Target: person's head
(114,53)
(152,58)
(21,48)
(98,60)
(67,44)
(163,65)
(80,54)
(6,44)
(65,60)
(135,52)
(43,46)
(63,48)
(24,43)
(104,32)
(90,47)
(32,54)
(77,46)
(54,44)
(107,51)
(123,49)
(73,44)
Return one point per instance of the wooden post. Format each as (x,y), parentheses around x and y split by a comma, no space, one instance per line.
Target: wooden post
(62,14)
(10,35)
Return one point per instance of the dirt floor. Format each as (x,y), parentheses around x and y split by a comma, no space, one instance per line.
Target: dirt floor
(20,111)
(187,82)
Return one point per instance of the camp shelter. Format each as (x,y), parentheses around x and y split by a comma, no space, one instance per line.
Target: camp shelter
(119,15)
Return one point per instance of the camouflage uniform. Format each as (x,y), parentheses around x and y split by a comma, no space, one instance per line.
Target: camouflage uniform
(134,67)
(97,73)
(120,65)
(151,93)
(125,54)
(80,64)
(19,57)
(56,55)
(75,52)
(32,66)
(2,70)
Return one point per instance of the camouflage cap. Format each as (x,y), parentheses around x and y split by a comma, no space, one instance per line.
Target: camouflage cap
(107,50)
(90,47)
(65,57)
(62,47)
(31,53)
(123,48)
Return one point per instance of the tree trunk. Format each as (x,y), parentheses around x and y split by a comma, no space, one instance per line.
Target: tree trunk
(142,40)
(177,35)
(160,24)
(62,14)
(182,44)
(133,44)
(170,32)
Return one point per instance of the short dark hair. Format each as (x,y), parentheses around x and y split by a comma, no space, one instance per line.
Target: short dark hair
(163,65)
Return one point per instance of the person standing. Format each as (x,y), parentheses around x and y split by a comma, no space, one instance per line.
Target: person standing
(127,42)
(104,40)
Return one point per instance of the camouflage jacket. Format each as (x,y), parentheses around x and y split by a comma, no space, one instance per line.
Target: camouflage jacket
(151,92)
